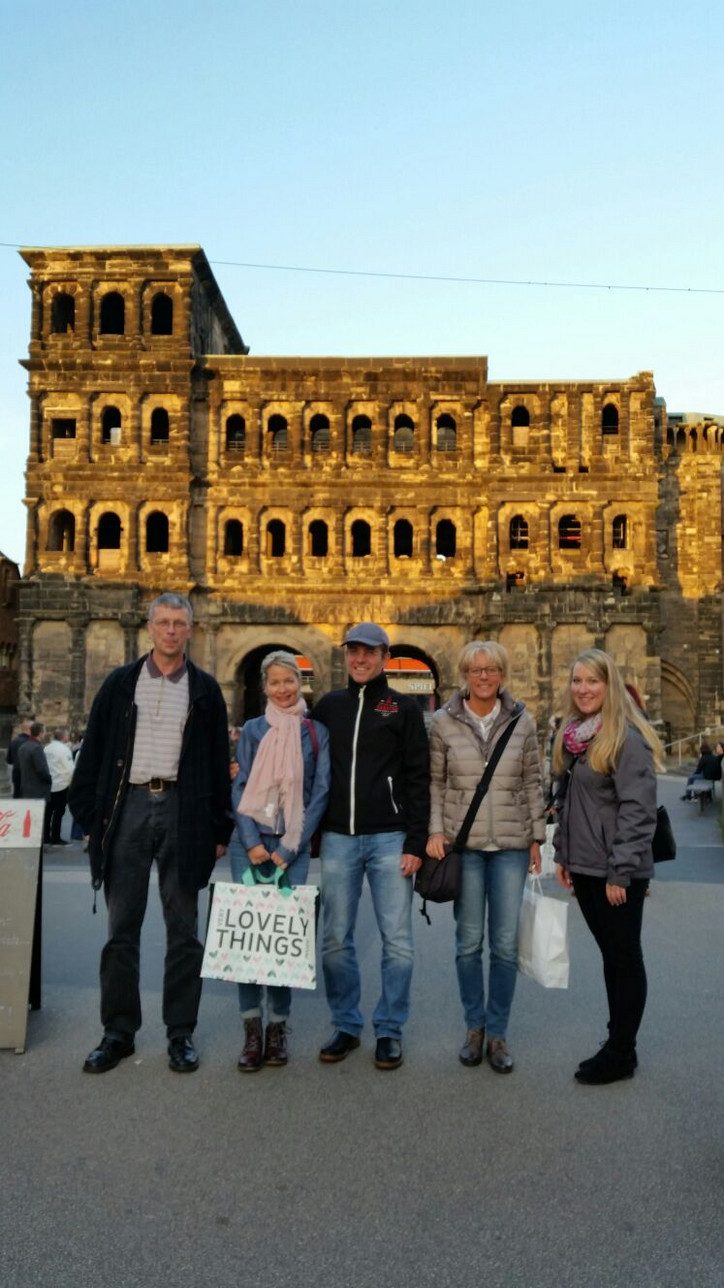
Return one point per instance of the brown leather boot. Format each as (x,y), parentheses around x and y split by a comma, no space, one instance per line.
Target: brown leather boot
(250,1058)
(471,1052)
(275,1044)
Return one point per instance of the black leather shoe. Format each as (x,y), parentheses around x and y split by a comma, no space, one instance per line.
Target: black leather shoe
(339,1048)
(388,1053)
(182,1055)
(606,1067)
(108,1053)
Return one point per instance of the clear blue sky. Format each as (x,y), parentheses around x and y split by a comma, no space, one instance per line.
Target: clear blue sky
(547,140)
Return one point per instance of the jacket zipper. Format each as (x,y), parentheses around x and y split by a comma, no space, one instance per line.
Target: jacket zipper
(392,795)
(353,775)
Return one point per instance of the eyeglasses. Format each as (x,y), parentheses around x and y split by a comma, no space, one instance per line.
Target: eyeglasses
(477,671)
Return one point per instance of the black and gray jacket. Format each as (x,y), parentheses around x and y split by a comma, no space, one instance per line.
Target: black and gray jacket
(379,760)
(203,794)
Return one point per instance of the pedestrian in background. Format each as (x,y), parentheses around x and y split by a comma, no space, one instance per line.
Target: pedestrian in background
(60,763)
(16,743)
(606,753)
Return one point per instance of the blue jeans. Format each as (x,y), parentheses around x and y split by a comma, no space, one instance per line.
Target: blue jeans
(279,999)
(345,859)
(494,878)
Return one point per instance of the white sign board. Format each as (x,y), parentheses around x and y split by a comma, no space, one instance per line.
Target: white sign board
(21,836)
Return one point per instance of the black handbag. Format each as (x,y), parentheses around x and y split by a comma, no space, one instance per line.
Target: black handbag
(440,880)
(663,845)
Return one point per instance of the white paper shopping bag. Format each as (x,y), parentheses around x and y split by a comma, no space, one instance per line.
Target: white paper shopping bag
(261,934)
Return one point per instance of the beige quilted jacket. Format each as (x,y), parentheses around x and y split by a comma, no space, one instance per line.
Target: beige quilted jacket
(511,815)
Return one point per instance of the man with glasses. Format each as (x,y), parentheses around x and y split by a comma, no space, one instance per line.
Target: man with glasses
(152,782)
(376,824)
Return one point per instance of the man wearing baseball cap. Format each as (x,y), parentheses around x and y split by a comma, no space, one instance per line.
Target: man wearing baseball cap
(376,824)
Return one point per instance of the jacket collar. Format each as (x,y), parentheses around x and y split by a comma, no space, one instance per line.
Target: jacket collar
(374,688)
(198,680)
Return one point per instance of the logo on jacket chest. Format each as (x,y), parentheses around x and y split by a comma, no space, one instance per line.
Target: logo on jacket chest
(387,707)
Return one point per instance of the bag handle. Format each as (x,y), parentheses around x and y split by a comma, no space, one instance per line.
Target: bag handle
(482,787)
(309,726)
(279,878)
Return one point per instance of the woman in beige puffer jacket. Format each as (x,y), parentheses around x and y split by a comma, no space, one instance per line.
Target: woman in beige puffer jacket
(504,840)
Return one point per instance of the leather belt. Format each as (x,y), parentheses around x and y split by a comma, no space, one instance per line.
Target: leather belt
(154,785)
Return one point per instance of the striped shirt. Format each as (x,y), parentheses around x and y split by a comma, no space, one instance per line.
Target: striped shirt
(163,703)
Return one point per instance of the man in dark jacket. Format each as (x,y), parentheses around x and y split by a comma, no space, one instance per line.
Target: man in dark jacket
(152,782)
(21,736)
(35,777)
(376,823)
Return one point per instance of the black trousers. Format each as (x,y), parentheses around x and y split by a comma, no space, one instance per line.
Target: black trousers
(617,931)
(146,831)
(54,815)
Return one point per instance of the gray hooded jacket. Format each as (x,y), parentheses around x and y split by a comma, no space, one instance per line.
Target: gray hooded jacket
(511,816)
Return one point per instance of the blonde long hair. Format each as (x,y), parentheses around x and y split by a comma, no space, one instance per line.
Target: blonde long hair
(618,711)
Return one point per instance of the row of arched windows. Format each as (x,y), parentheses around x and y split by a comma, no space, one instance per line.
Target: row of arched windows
(61,535)
(112,319)
(403,433)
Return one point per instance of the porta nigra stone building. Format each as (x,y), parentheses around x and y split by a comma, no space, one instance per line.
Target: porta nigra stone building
(289,497)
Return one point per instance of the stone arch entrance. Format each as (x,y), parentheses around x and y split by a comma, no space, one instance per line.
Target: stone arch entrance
(249,699)
(411,670)
(678,703)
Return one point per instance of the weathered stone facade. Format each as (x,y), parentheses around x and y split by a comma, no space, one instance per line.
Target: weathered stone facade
(292,496)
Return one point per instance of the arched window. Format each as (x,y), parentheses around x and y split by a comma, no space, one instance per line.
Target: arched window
(319,433)
(62,314)
(61,531)
(278,432)
(161,314)
(609,419)
(445,539)
(402,539)
(447,433)
(159,425)
(619,532)
(693,440)
(235,433)
(681,440)
(520,417)
(361,436)
(276,539)
(318,539)
(109,531)
(233,538)
(569,532)
(361,539)
(156,533)
(403,439)
(113,314)
(518,533)
(111,425)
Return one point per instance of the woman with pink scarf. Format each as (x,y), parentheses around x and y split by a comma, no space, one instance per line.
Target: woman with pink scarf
(279,795)
(605,758)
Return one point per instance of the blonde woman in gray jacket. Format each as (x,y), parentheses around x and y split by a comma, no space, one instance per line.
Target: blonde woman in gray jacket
(504,841)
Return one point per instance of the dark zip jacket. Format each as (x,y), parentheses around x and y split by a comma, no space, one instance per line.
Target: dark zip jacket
(380,763)
(203,791)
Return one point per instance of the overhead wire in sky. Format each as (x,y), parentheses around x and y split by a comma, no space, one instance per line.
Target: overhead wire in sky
(446,277)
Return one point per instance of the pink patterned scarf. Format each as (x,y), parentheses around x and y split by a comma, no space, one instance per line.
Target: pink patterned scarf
(275,787)
(579,733)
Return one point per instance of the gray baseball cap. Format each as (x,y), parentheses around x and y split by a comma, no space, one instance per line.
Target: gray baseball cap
(367,633)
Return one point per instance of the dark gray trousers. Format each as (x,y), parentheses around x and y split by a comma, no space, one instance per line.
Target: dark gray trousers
(146,831)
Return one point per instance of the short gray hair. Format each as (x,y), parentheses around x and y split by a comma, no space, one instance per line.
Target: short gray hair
(495,652)
(171,600)
(280,657)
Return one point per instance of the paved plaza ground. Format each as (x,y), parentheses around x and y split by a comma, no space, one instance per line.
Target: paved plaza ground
(433,1175)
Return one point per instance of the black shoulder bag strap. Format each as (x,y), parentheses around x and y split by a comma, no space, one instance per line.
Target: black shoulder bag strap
(482,787)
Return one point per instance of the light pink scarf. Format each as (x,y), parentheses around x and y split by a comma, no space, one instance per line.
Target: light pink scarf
(275,786)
